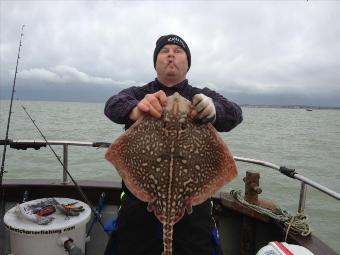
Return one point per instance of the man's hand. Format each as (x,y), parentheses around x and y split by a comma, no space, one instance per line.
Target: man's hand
(204,108)
(151,103)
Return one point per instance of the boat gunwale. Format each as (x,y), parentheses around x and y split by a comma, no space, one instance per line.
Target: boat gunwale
(93,189)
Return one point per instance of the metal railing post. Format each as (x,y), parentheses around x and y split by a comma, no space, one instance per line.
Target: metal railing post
(65,162)
(302,200)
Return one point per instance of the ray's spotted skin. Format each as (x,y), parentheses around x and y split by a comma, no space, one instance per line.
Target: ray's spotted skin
(173,163)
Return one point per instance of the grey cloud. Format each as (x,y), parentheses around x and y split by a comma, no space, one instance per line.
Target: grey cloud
(256,48)
(70,75)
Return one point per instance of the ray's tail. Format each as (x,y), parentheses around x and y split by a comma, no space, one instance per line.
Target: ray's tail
(167,238)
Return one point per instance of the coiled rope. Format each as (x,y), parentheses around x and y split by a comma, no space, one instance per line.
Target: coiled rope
(298,225)
(295,224)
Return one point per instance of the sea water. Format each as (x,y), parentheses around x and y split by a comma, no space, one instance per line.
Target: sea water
(307,141)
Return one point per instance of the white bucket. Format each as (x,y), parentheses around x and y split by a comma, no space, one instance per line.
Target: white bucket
(28,237)
(283,248)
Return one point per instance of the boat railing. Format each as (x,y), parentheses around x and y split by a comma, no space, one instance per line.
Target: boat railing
(293,174)
(37,144)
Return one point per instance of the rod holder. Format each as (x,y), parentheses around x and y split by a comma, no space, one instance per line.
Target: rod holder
(302,199)
(65,162)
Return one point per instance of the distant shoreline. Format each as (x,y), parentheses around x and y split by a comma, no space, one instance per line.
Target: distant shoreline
(306,107)
(309,107)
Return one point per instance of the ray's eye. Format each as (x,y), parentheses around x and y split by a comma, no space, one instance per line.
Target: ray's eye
(166,123)
(166,119)
(183,122)
(183,126)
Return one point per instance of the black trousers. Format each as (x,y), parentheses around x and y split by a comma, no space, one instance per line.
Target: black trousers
(140,233)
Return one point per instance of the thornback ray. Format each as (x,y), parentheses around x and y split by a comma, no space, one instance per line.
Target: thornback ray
(173,163)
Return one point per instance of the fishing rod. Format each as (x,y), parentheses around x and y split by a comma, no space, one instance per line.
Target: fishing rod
(2,171)
(81,192)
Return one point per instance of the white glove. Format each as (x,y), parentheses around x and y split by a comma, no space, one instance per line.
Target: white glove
(205,108)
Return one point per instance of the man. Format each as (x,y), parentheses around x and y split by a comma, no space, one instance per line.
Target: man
(138,231)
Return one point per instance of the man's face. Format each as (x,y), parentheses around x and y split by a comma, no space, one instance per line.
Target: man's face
(172,63)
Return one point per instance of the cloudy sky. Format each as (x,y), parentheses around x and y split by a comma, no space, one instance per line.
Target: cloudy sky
(255,52)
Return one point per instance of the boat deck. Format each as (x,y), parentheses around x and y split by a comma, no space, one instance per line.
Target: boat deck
(241,229)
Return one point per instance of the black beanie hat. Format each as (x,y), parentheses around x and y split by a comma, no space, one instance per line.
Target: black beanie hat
(171,39)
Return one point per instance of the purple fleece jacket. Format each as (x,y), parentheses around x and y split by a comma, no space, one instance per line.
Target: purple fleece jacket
(118,107)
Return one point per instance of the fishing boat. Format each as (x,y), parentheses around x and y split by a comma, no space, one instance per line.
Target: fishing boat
(246,223)
(243,221)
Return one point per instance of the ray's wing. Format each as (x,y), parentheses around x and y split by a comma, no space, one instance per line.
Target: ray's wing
(138,155)
(205,163)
